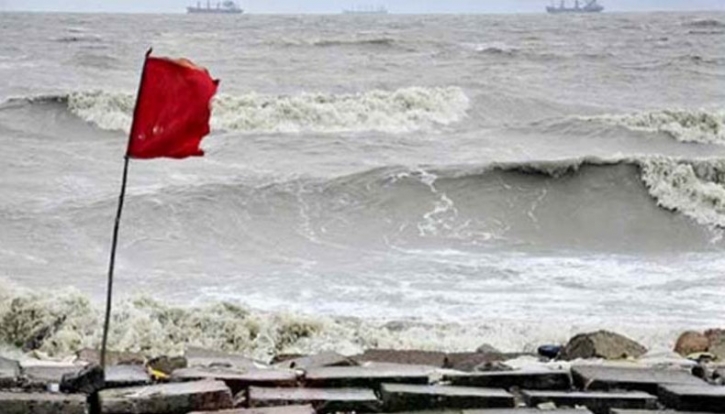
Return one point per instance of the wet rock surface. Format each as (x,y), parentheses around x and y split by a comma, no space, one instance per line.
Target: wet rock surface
(602,344)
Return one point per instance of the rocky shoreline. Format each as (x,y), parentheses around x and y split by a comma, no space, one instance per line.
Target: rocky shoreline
(599,372)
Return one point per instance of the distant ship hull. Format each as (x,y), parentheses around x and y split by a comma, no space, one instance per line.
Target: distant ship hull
(202,10)
(364,12)
(565,10)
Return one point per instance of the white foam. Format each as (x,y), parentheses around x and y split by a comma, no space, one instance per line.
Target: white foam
(694,188)
(402,110)
(707,127)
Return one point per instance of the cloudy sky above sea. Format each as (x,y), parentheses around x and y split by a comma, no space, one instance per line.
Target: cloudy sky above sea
(335,6)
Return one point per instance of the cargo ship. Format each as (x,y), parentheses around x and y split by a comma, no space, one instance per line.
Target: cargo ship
(227,7)
(366,10)
(590,6)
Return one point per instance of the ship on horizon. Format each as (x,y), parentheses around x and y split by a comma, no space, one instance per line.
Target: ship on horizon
(590,6)
(367,9)
(227,7)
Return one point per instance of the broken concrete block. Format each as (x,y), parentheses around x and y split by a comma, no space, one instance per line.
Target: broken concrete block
(38,375)
(477,361)
(166,398)
(597,402)
(238,380)
(531,380)
(703,397)
(42,403)
(323,400)
(126,376)
(323,359)
(86,381)
(289,409)
(399,397)
(601,344)
(368,376)
(428,358)
(604,378)
(199,357)
(625,411)
(9,372)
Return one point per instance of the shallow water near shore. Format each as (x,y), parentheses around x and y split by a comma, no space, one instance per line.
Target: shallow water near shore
(430,182)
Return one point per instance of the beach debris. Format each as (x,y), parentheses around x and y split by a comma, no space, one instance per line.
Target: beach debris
(691,342)
(400,397)
(602,344)
(549,351)
(543,379)
(596,402)
(329,400)
(86,381)
(167,364)
(166,398)
(609,378)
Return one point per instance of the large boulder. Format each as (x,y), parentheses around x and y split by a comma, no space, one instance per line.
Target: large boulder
(601,344)
(691,342)
(716,342)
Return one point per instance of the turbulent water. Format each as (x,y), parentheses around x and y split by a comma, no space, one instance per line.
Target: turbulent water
(398,181)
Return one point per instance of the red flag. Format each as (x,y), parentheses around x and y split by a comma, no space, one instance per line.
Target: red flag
(172,109)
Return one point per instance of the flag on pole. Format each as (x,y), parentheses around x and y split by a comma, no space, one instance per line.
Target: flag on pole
(172,110)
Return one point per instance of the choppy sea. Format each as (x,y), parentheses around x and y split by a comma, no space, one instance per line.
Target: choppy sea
(432,182)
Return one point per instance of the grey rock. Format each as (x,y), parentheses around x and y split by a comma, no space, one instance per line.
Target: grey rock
(323,359)
(487,349)
(601,344)
(166,398)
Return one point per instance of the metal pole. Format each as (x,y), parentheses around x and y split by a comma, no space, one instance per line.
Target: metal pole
(109,291)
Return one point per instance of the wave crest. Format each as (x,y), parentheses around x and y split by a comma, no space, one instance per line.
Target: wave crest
(406,109)
(701,126)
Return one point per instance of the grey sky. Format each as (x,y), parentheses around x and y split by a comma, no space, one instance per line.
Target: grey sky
(334,6)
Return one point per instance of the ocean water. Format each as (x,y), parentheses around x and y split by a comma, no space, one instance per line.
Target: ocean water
(429,182)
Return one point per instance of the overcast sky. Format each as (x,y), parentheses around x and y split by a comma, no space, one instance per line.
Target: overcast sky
(334,6)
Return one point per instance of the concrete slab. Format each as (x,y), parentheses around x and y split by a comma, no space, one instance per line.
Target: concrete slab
(9,372)
(625,411)
(290,409)
(407,357)
(367,376)
(323,359)
(596,402)
(400,397)
(598,377)
(39,374)
(93,356)
(42,403)
(199,357)
(506,411)
(323,400)
(693,397)
(166,398)
(475,361)
(530,380)
(126,376)
(238,380)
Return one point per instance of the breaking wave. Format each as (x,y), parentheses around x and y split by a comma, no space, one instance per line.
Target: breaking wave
(61,323)
(402,110)
(701,126)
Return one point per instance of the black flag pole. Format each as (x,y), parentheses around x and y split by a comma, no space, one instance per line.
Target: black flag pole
(112,262)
